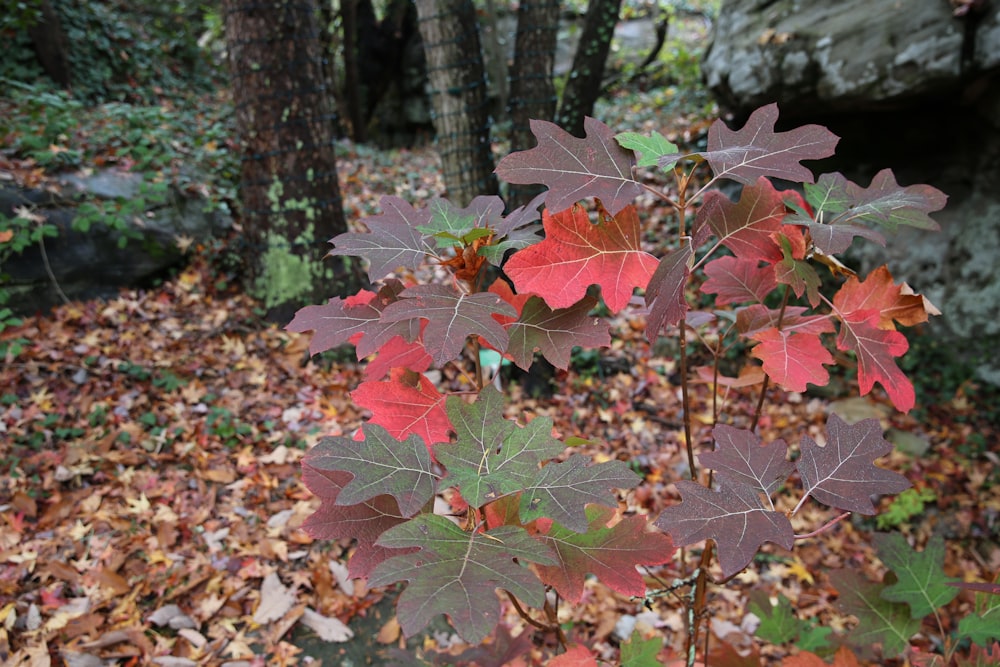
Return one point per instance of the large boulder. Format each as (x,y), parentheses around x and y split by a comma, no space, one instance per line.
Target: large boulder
(105,257)
(906,85)
(849,55)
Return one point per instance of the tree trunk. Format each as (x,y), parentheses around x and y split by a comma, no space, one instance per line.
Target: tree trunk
(458,96)
(289,195)
(51,45)
(532,93)
(583,88)
(352,83)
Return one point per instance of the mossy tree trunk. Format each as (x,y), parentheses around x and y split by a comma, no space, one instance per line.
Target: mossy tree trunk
(532,92)
(289,194)
(584,85)
(459,100)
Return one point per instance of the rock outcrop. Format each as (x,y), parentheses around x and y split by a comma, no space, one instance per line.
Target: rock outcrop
(98,262)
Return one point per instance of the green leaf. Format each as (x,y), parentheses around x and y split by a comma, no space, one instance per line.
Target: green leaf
(448,224)
(921,581)
(639,652)
(814,638)
(493,456)
(457,573)
(563,490)
(983,627)
(879,620)
(652,148)
(777,621)
(381,465)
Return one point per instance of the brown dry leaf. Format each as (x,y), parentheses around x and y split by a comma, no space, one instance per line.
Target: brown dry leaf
(328,629)
(275,600)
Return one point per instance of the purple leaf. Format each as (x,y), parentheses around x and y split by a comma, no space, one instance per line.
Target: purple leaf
(744,456)
(733,517)
(392,239)
(757,151)
(843,473)
(555,332)
(665,291)
(451,318)
(574,168)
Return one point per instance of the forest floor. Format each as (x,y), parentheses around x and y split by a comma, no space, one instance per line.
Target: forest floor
(151,498)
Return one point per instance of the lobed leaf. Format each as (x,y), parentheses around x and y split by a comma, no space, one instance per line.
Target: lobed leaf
(577,253)
(737,280)
(920,578)
(573,168)
(732,517)
(451,318)
(792,359)
(876,348)
(747,226)
(364,522)
(492,456)
(650,148)
(555,332)
(757,151)
(381,465)
(406,404)
(743,456)
(562,490)
(610,551)
(456,572)
(392,240)
(842,474)
(879,620)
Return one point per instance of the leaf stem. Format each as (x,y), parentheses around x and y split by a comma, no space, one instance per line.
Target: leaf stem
(524,614)
(826,526)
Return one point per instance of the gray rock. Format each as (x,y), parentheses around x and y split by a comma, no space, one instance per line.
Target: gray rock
(846,55)
(94,263)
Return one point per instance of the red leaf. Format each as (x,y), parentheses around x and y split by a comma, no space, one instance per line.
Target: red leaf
(737,280)
(404,408)
(577,253)
(575,656)
(665,291)
(398,353)
(875,349)
(843,474)
(746,227)
(879,292)
(575,168)
(793,359)
(757,151)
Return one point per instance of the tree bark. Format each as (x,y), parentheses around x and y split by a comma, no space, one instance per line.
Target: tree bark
(289,194)
(51,45)
(583,88)
(532,92)
(458,97)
